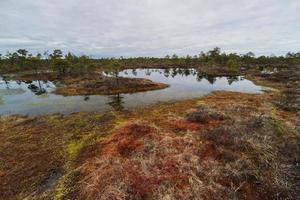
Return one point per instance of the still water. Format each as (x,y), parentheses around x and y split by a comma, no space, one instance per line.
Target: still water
(37,97)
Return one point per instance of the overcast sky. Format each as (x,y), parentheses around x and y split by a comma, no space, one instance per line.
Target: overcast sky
(150,27)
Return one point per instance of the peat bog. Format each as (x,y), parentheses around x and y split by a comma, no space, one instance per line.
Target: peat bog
(150,133)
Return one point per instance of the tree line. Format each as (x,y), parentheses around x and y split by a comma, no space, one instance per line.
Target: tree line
(70,63)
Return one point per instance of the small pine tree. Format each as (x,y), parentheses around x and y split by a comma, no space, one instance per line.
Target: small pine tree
(232,65)
(60,65)
(114,68)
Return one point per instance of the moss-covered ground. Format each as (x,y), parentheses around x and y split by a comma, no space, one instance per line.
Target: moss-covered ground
(226,145)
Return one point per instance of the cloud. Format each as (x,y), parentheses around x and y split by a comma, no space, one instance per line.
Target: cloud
(150,27)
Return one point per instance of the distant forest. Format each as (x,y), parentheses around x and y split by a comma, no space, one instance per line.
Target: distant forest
(23,60)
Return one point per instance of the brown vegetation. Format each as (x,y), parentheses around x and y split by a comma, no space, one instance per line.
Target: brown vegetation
(37,154)
(107,86)
(226,145)
(287,82)
(239,157)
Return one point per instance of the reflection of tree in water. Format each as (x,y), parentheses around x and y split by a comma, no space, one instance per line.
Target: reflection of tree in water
(186,72)
(106,73)
(47,83)
(174,72)
(179,71)
(134,72)
(210,79)
(37,90)
(6,82)
(86,98)
(199,77)
(167,73)
(27,82)
(148,72)
(194,72)
(116,102)
(232,79)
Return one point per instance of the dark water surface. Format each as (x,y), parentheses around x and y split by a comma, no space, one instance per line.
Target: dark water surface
(36,98)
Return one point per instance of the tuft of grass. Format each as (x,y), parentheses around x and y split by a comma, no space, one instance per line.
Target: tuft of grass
(204,114)
(277,126)
(269,124)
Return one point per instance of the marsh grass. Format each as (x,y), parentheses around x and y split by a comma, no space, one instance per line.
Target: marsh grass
(238,157)
(241,148)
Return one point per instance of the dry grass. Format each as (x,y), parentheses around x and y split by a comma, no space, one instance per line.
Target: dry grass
(225,146)
(232,155)
(140,161)
(35,153)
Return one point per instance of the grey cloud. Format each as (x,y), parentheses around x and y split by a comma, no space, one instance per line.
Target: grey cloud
(150,27)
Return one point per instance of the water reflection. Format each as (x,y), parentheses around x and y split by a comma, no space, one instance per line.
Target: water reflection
(232,79)
(166,72)
(86,98)
(37,90)
(5,81)
(134,73)
(116,102)
(148,72)
(37,97)
(184,73)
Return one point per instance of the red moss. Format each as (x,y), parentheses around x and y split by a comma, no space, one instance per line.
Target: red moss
(144,173)
(209,151)
(127,139)
(143,184)
(182,125)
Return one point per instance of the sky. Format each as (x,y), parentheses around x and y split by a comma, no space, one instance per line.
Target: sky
(107,28)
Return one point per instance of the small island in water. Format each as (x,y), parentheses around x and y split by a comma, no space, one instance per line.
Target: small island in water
(93,83)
